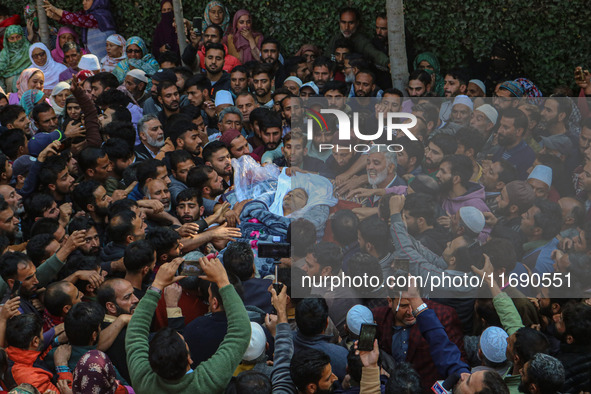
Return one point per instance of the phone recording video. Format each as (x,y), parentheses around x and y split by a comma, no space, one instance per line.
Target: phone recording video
(367,335)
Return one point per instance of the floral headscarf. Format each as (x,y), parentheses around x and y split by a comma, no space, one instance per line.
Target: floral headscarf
(108,63)
(147,63)
(94,374)
(30,99)
(207,21)
(22,83)
(14,58)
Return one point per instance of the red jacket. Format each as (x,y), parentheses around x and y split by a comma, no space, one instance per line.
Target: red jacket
(26,369)
(418,349)
(11,20)
(229,61)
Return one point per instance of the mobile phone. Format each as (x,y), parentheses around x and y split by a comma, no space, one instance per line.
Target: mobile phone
(190,268)
(16,287)
(278,286)
(66,143)
(367,335)
(197,22)
(274,250)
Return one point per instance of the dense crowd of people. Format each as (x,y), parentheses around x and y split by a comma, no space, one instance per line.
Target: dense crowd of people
(148,196)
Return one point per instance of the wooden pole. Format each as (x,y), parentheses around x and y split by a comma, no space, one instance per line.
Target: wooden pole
(397,44)
(43,25)
(180,24)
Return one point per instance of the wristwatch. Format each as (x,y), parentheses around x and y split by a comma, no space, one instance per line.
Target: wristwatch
(419,309)
(157,290)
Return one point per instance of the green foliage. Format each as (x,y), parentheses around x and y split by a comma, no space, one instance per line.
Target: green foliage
(550,34)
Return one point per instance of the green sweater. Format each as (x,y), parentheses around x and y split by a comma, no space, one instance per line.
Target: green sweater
(211,376)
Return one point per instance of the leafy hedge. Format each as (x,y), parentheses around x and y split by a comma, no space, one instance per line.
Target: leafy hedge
(551,35)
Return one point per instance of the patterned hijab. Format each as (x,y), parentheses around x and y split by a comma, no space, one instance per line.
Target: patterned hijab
(207,21)
(30,99)
(22,83)
(14,58)
(94,374)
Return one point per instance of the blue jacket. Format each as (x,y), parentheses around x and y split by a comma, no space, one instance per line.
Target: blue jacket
(337,354)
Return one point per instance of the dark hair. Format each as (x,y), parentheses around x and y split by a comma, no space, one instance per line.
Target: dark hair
(37,204)
(519,118)
(249,382)
(376,232)
(323,61)
(327,254)
(344,225)
(11,141)
(137,255)
(168,354)
(272,120)
(106,293)
(508,172)
(147,169)
(370,73)
(106,79)
(460,74)
(189,194)
(339,86)
(307,366)
(352,10)
(263,68)
(564,105)
(281,91)
(117,149)
(165,85)
(50,170)
(430,112)
(343,43)
(198,80)
(258,114)
(80,262)
(199,176)
(421,205)
(470,138)
(115,99)
(364,265)
(44,225)
(447,143)
(83,194)
(22,329)
(413,149)
(169,56)
(179,156)
(40,108)
(302,235)
(547,373)
(271,40)
(404,380)
(11,112)
(121,226)
(392,91)
(549,219)
(467,256)
(36,248)
(577,322)
(56,298)
(87,159)
(121,205)
(217,28)
(502,254)
(82,321)
(162,239)
(493,383)
(311,316)
(420,75)
(123,130)
(528,342)
(211,148)
(215,45)
(178,128)
(239,260)
(461,166)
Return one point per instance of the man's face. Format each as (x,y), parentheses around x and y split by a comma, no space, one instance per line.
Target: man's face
(444,177)
(461,114)
(312,268)
(195,96)
(474,90)
(502,99)
(96,89)
(327,379)
(188,211)
(528,223)
(470,383)
(239,147)
(14,200)
(221,162)
(433,156)
(481,122)
(92,245)
(507,133)
(230,121)
(106,117)
(403,317)
(294,151)
(153,134)
(246,104)
(303,72)
(215,184)
(490,176)
(411,223)
(262,84)
(378,168)
(65,182)
(392,102)
(277,102)
(139,228)
(169,98)
(321,75)
(451,248)
(8,222)
(210,35)
(47,121)
(103,169)
(292,87)
(271,137)
(22,122)
(125,299)
(335,99)
(133,86)
(502,201)
(159,191)
(292,110)
(540,188)
(52,212)
(71,58)
(364,85)
(214,61)
(270,53)
(27,275)
(190,142)
(584,182)
(75,294)
(584,139)
(339,55)
(525,381)
(182,169)
(452,86)
(348,24)
(416,88)
(549,113)
(323,137)
(382,29)
(238,82)
(342,156)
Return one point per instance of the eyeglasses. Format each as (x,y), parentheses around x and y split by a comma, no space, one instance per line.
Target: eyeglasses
(134,51)
(39,55)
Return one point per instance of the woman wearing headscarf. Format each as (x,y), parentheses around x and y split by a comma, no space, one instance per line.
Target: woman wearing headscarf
(428,61)
(64,34)
(30,99)
(165,38)
(58,97)
(115,46)
(41,59)
(14,58)
(30,78)
(137,57)
(95,374)
(96,22)
(216,13)
(242,42)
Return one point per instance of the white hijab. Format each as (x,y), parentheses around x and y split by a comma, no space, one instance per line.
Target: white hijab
(60,87)
(51,68)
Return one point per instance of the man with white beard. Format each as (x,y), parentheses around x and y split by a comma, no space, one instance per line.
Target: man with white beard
(381,170)
(156,189)
(151,136)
